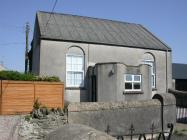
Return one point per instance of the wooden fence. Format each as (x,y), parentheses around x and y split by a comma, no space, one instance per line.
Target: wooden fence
(17,97)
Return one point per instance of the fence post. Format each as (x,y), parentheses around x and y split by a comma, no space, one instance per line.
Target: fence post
(63,95)
(34,92)
(1,95)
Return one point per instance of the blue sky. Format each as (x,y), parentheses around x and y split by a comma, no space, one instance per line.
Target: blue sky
(167,19)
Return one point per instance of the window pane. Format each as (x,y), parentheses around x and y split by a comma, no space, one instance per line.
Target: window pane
(79,60)
(78,78)
(152,64)
(75,78)
(137,86)
(128,85)
(69,78)
(137,78)
(75,70)
(128,77)
(79,67)
(69,68)
(153,80)
(68,59)
(74,60)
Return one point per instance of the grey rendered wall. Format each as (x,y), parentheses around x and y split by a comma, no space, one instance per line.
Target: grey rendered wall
(110,82)
(134,57)
(36,60)
(106,82)
(52,62)
(169,69)
(36,50)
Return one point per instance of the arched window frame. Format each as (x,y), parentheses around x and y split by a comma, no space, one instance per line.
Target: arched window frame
(151,62)
(75,66)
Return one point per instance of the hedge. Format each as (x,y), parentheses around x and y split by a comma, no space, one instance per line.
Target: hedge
(14,75)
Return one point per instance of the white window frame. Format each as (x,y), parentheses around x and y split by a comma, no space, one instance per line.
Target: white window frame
(152,64)
(75,71)
(133,82)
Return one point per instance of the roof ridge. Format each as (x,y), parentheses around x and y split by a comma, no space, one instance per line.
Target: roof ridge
(65,14)
(106,32)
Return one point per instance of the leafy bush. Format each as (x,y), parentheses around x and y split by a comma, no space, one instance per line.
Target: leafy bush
(28,117)
(14,75)
(37,104)
(47,78)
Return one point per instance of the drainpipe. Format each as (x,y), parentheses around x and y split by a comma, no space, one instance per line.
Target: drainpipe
(167,71)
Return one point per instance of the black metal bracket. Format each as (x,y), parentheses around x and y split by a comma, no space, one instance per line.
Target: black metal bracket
(108,129)
(170,125)
(142,136)
(131,130)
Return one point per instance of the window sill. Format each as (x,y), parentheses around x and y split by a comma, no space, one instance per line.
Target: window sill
(132,92)
(75,88)
(154,89)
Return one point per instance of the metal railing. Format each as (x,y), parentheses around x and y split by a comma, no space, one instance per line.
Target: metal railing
(154,135)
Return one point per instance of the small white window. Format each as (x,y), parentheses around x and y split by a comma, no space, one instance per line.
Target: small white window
(132,82)
(74,70)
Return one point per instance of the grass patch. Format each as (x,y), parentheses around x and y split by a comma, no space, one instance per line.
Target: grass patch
(178,133)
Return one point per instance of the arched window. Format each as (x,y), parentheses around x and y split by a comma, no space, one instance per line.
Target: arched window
(150,60)
(75,67)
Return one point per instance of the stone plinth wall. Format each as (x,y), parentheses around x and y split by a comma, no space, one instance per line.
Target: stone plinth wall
(119,117)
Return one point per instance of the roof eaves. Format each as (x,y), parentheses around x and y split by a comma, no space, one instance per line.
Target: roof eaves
(76,41)
(37,22)
(167,47)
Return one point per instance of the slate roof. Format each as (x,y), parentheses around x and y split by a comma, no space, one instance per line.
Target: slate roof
(100,31)
(179,71)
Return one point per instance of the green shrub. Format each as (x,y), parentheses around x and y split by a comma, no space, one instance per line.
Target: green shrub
(14,75)
(37,104)
(28,117)
(45,110)
(47,78)
(52,109)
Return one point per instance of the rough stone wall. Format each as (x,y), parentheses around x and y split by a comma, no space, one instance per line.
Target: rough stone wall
(78,132)
(39,128)
(19,128)
(8,127)
(119,117)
